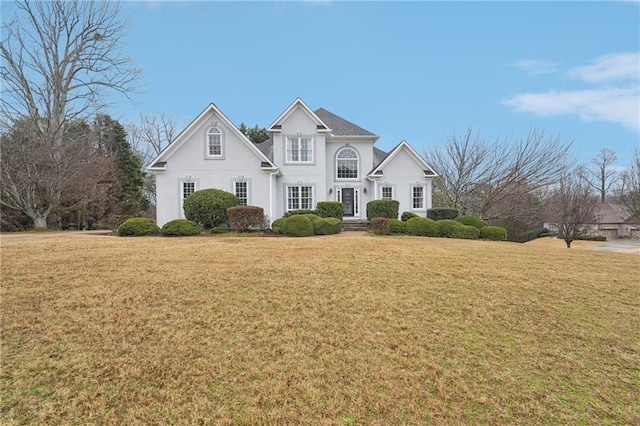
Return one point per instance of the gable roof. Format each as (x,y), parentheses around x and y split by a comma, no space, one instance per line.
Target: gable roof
(277,123)
(340,126)
(427,169)
(613,213)
(161,160)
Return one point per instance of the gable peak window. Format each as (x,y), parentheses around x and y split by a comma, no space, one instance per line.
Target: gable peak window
(347,163)
(214,142)
(299,149)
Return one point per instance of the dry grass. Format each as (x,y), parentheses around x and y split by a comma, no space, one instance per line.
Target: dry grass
(347,329)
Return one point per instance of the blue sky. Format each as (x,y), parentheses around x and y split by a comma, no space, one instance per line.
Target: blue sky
(419,71)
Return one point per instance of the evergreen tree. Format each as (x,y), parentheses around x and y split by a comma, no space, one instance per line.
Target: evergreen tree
(111,139)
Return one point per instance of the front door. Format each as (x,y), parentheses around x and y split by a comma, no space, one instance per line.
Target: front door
(348,201)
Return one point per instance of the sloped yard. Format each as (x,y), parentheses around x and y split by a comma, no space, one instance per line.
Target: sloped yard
(346,329)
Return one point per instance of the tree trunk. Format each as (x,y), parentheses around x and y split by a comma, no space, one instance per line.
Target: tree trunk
(40,221)
(568,242)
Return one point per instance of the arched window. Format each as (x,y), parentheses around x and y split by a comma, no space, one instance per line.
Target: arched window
(347,164)
(214,142)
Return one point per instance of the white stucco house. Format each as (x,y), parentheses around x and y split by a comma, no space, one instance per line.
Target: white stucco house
(311,156)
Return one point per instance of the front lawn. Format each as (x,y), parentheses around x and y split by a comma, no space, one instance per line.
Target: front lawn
(342,329)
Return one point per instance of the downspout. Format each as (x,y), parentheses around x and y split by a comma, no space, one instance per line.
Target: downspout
(271,176)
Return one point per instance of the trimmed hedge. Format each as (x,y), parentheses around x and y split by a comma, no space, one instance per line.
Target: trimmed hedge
(180,228)
(383,208)
(448,228)
(208,207)
(297,226)
(471,221)
(440,214)
(300,211)
(380,225)
(467,232)
(422,226)
(397,226)
(327,226)
(137,227)
(244,218)
(276,226)
(496,233)
(408,215)
(333,209)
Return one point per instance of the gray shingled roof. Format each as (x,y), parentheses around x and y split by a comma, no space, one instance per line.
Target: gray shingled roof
(266,148)
(339,125)
(612,213)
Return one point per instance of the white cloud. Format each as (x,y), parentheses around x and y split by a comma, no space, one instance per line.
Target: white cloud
(614,67)
(535,67)
(614,96)
(612,104)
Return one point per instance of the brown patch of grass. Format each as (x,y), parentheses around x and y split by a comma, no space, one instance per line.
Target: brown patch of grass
(346,329)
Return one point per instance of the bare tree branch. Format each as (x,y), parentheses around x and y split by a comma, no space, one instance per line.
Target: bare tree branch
(60,60)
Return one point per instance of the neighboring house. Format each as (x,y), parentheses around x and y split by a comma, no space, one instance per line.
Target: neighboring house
(613,221)
(310,156)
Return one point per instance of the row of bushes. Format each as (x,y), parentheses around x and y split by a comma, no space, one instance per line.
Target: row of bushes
(141,226)
(333,209)
(446,228)
(306,225)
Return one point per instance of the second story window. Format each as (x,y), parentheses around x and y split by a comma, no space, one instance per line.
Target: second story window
(347,164)
(299,149)
(214,142)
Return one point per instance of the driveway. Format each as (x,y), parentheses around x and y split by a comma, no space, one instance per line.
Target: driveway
(620,246)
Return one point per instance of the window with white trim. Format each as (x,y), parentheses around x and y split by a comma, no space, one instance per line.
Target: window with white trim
(387,193)
(418,198)
(299,197)
(299,149)
(214,142)
(188,188)
(241,189)
(347,164)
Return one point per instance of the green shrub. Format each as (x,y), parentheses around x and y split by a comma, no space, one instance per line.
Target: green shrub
(440,214)
(471,221)
(533,234)
(312,216)
(383,208)
(408,215)
(276,226)
(137,226)
(397,226)
(180,228)
(422,226)
(448,228)
(297,226)
(467,232)
(327,226)
(208,207)
(380,225)
(592,238)
(244,218)
(330,209)
(301,211)
(496,233)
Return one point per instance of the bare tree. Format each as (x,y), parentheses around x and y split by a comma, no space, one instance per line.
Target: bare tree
(496,180)
(572,207)
(630,185)
(60,59)
(151,135)
(599,173)
(148,138)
